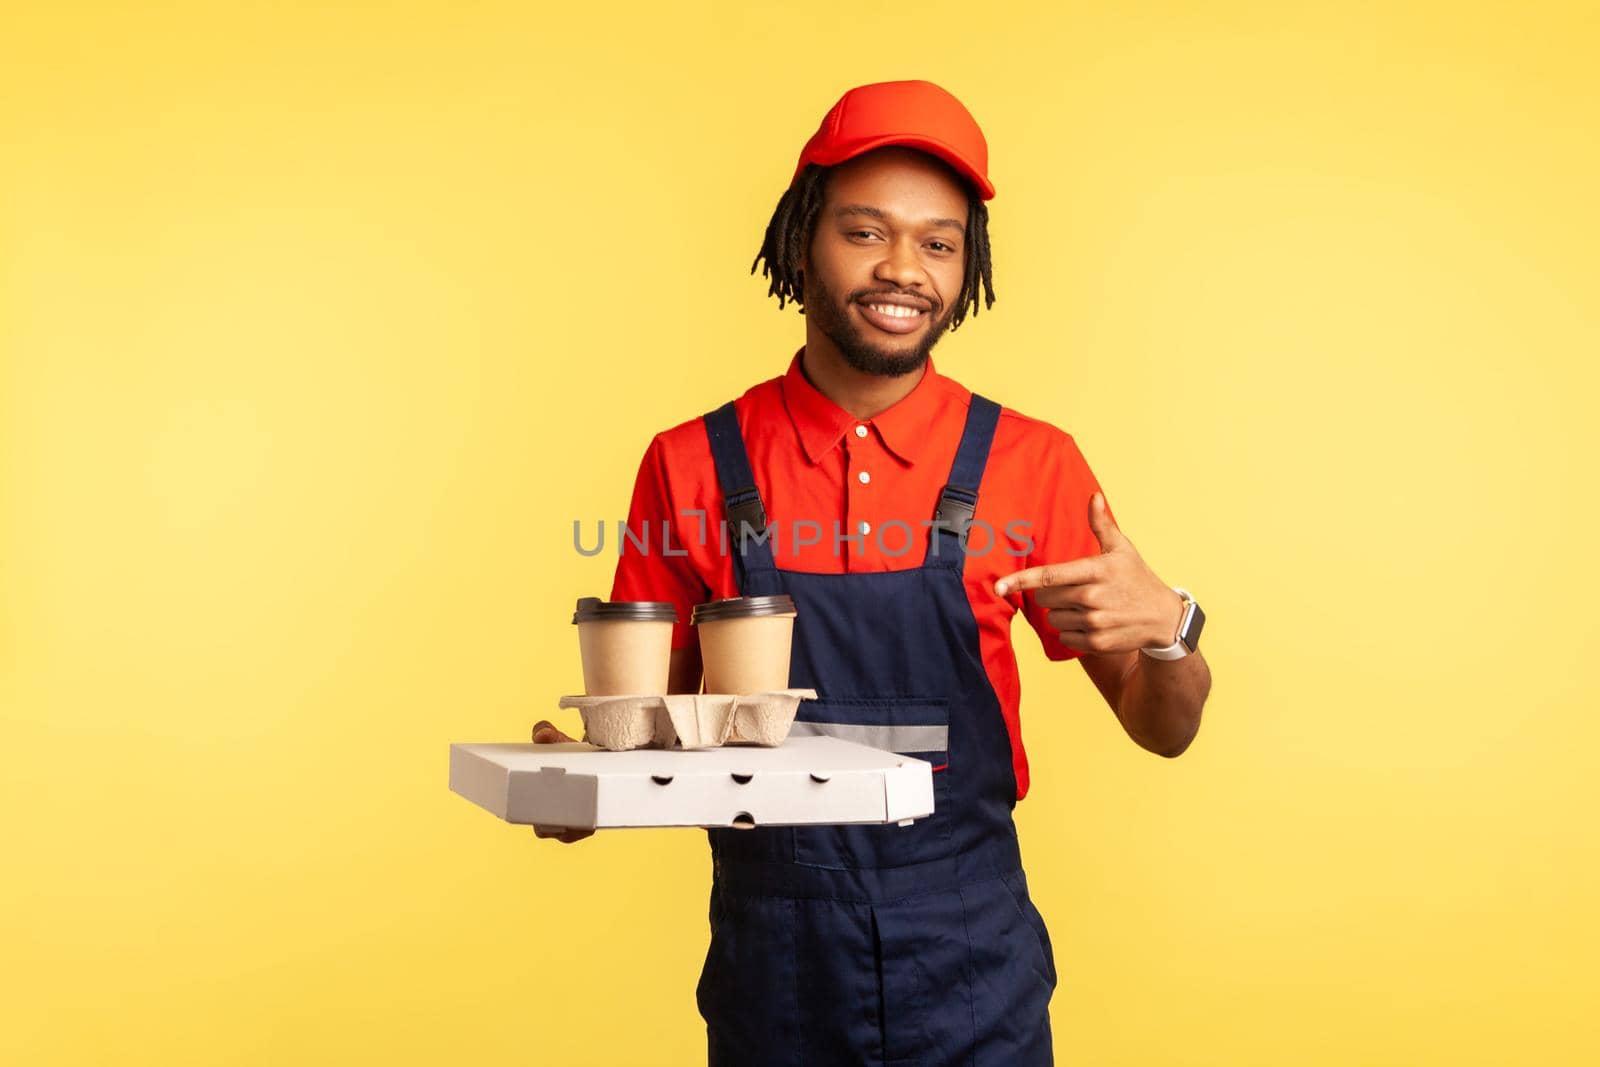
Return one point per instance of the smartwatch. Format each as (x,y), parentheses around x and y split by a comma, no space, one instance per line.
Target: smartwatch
(1188,630)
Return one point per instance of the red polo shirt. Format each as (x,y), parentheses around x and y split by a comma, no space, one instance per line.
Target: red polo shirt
(815,461)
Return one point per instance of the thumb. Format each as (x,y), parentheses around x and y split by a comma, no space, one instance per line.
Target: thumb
(1105,530)
(544,733)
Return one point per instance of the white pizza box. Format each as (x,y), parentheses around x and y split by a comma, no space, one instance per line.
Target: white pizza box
(805,780)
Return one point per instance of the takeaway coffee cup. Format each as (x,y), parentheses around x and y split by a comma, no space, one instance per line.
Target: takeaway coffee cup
(744,642)
(626,645)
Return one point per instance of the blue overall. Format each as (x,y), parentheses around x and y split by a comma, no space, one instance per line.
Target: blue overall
(881,944)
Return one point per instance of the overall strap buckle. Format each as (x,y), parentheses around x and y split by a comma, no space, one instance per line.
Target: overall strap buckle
(746,512)
(956,508)
(958,500)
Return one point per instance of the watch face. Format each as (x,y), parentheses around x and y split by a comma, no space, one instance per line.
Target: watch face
(1190,633)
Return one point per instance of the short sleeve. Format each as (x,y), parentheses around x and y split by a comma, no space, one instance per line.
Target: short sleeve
(1061,529)
(658,571)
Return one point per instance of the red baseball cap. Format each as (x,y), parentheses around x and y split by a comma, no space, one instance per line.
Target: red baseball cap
(918,114)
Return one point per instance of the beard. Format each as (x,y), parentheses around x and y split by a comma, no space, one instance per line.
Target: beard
(853,336)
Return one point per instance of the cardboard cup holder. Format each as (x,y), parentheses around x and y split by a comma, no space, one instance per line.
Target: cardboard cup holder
(688,720)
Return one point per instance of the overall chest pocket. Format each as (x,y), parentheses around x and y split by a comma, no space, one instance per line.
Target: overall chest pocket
(911,726)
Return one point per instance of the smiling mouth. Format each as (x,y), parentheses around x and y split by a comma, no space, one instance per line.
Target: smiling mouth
(893,318)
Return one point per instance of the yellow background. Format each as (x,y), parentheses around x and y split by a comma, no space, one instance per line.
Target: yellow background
(319,324)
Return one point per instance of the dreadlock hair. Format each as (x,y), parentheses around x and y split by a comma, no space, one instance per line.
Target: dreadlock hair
(793,221)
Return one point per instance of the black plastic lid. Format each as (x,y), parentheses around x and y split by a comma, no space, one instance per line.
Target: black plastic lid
(593,609)
(743,607)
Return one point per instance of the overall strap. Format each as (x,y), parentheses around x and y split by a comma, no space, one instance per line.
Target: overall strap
(746,516)
(958,500)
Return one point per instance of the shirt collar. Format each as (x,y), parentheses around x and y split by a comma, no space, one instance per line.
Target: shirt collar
(821,423)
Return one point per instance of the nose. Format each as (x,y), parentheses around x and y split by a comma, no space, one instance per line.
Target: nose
(900,266)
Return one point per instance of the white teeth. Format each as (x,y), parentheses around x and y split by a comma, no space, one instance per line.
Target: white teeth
(895,310)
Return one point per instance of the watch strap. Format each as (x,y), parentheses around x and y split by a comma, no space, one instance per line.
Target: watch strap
(1176,650)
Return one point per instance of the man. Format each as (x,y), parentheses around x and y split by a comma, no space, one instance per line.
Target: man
(910,520)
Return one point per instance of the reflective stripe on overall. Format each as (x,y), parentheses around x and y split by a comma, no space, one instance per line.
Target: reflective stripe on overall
(881,944)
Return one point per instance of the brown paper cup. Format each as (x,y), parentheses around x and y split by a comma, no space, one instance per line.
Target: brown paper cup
(745,643)
(626,646)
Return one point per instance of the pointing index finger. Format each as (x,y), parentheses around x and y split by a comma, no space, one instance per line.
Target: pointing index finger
(1073,572)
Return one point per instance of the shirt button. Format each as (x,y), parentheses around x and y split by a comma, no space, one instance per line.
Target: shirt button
(861,431)
(866,527)
(864,477)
